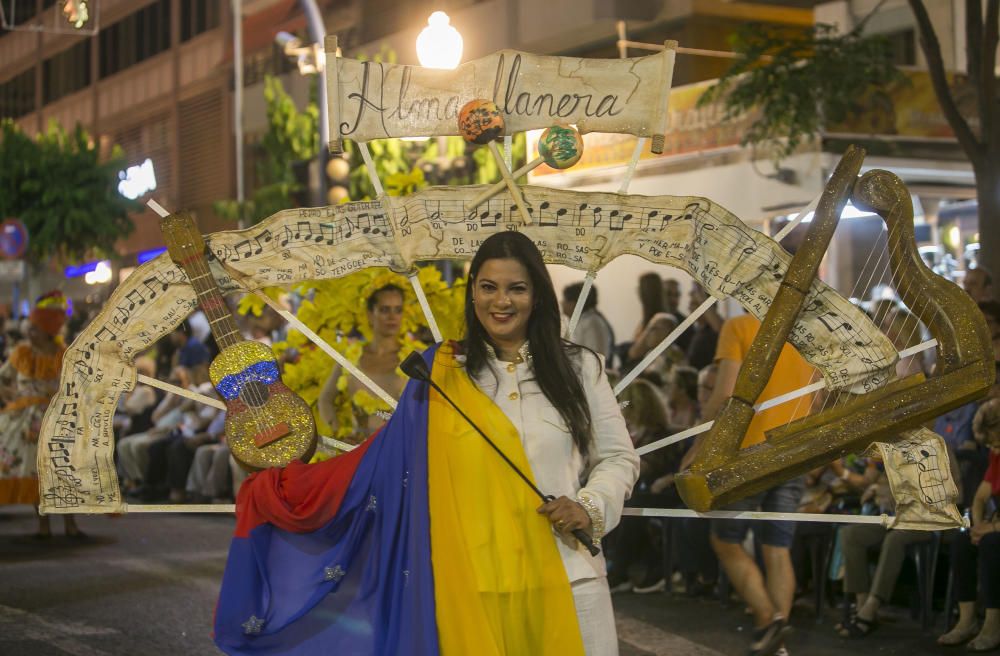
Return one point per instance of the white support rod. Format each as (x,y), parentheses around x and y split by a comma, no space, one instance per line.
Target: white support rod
(674,439)
(366,155)
(632,163)
(156,207)
(180,391)
(770,403)
(497,187)
(508,152)
(789,396)
(663,345)
(588,282)
(512,186)
(238,104)
(882,520)
(329,350)
(701,52)
(709,302)
(334,442)
(919,348)
(810,208)
(418,289)
(179,508)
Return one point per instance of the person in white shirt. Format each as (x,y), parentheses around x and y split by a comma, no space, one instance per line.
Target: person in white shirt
(592,329)
(557,395)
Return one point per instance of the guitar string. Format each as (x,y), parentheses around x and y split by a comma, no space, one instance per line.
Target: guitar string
(200,267)
(838,396)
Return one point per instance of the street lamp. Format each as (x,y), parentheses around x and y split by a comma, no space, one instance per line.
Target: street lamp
(439,45)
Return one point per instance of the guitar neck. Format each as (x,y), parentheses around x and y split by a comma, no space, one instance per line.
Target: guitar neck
(187,250)
(214,306)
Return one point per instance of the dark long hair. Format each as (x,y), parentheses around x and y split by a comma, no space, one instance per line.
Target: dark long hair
(651,296)
(550,363)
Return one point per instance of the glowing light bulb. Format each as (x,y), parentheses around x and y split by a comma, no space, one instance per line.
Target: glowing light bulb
(439,45)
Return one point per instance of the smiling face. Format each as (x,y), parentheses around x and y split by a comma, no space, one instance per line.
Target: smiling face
(504,296)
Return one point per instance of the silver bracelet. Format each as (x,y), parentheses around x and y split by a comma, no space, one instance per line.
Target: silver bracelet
(596,518)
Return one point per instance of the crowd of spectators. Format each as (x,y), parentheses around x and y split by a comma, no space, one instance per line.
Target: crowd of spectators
(764,562)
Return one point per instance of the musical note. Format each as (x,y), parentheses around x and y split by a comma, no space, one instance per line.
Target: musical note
(104,334)
(930,479)
(832,325)
(266,236)
(245,244)
(620,223)
(545,221)
(150,283)
(814,306)
(328,233)
(487,221)
(646,222)
(121,319)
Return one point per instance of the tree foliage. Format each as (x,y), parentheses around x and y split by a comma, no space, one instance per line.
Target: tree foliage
(798,82)
(63,191)
(292,136)
(813,80)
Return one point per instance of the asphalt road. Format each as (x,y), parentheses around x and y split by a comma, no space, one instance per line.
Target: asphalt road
(147,584)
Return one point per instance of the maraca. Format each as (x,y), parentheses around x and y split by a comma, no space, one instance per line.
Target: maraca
(481,122)
(560,147)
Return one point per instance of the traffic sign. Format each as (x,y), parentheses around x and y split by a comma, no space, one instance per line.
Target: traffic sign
(13,239)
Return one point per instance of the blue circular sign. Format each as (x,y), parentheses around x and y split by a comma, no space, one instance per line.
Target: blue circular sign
(13,239)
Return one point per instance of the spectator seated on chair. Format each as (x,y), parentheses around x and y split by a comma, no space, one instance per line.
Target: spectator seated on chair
(634,543)
(982,544)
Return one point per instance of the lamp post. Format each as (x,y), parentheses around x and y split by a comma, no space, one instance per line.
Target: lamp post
(310,60)
(317,32)
(439,45)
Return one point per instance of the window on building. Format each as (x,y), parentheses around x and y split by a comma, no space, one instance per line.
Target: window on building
(18,12)
(903,46)
(198,16)
(135,38)
(67,72)
(17,95)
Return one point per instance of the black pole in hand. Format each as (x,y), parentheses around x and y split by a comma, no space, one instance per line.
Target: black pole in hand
(415,367)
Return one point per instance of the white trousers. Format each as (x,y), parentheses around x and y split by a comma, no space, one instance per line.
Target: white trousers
(596,616)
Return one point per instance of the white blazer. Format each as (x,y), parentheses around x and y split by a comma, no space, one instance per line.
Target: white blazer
(603,481)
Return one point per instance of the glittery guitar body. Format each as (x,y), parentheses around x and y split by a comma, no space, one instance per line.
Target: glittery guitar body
(267,424)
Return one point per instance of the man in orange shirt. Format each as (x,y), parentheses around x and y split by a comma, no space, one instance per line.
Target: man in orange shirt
(770,597)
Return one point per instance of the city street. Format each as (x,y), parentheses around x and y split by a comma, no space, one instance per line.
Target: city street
(147,584)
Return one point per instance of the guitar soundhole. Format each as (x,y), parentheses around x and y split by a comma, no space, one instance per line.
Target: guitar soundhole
(254,393)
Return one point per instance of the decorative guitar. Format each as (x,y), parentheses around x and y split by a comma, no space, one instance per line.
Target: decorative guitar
(267,424)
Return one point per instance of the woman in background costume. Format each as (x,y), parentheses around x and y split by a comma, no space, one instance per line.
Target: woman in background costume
(28,381)
(422,540)
(379,359)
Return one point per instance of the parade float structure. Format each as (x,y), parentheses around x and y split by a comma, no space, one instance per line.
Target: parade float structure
(582,230)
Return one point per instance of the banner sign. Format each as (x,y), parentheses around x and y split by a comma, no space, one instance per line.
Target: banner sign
(375,100)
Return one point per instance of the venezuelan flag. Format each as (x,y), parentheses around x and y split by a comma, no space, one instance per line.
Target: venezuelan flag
(420,541)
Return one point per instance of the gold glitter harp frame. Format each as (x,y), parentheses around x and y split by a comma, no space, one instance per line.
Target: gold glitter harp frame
(583,230)
(723,473)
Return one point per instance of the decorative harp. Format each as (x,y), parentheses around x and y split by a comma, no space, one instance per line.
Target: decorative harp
(722,473)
